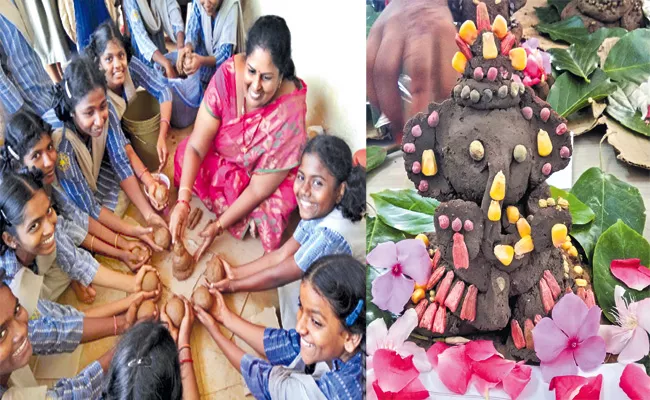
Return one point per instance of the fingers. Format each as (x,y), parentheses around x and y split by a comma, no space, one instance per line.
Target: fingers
(91,291)
(418,63)
(386,72)
(204,246)
(446,74)
(372,47)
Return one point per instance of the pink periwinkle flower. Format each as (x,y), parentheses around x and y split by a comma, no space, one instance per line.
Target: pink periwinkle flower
(538,64)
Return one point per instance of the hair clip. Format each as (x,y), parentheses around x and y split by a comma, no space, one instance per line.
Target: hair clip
(13,153)
(140,362)
(5,217)
(67,90)
(352,318)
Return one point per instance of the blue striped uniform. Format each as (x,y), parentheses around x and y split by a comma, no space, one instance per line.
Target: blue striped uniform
(281,348)
(317,241)
(115,168)
(23,80)
(148,78)
(74,222)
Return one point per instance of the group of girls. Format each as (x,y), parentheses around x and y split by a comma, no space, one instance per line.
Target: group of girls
(248,161)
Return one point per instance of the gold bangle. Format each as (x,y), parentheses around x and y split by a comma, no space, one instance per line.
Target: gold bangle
(219,227)
(115,244)
(92,241)
(184,189)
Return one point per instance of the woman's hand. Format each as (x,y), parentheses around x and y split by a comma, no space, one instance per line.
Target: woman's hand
(130,317)
(178,221)
(148,239)
(163,153)
(185,330)
(209,233)
(224,286)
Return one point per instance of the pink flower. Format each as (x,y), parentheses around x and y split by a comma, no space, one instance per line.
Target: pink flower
(538,64)
(570,387)
(407,262)
(631,272)
(401,380)
(635,383)
(630,339)
(569,340)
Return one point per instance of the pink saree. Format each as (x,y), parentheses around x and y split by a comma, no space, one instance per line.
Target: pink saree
(261,141)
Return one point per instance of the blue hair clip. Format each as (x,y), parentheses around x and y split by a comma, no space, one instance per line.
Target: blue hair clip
(352,318)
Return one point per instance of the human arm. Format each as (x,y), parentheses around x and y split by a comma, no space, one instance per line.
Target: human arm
(176,19)
(9,94)
(269,278)
(268,260)
(145,45)
(197,61)
(107,277)
(188,378)
(86,385)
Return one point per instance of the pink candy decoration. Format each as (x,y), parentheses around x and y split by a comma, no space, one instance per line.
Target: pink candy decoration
(561,129)
(416,131)
(478,73)
(546,169)
(443,221)
(545,114)
(527,112)
(409,148)
(565,152)
(423,186)
(492,73)
(456,225)
(416,168)
(469,225)
(433,119)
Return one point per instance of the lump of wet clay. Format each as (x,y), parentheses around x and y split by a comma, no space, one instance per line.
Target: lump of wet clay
(202,298)
(161,194)
(150,281)
(140,253)
(175,310)
(162,237)
(146,309)
(182,266)
(214,271)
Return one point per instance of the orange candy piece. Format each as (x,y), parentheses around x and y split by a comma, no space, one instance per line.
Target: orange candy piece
(500,27)
(459,62)
(468,32)
(518,58)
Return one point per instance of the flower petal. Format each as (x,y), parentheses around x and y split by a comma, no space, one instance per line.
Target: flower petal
(569,313)
(567,386)
(619,291)
(454,369)
(482,386)
(631,272)
(589,326)
(434,351)
(479,350)
(402,328)
(494,369)
(592,389)
(563,364)
(391,292)
(636,348)
(549,340)
(643,314)
(634,382)
(420,359)
(516,381)
(590,353)
(393,372)
(371,380)
(376,332)
(383,256)
(415,390)
(615,337)
(412,254)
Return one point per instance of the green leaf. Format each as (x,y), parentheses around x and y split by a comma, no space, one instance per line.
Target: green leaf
(405,210)
(629,59)
(547,15)
(375,156)
(371,17)
(580,213)
(570,94)
(558,4)
(570,30)
(378,232)
(575,59)
(610,199)
(618,242)
(621,109)
(372,311)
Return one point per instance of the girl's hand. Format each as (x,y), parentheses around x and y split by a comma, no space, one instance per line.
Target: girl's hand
(163,153)
(140,276)
(132,261)
(85,294)
(131,245)
(224,286)
(219,311)
(130,316)
(170,72)
(151,189)
(182,54)
(178,221)
(148,239)
(185,330)
(231,273)
(209,233)
(168,324)
(206,319)
(192,63)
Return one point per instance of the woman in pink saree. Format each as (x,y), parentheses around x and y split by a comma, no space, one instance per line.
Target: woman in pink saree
(247,142)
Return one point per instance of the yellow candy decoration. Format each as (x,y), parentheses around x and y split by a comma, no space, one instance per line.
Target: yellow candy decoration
(429,166)
(468,32)
(504,253)
(518,58)
(544,145)
(523,227)
(494,212)
(512,213)
(459,62)
(558,233)
(524,245)
(489,46)
(498,189)
(500,27)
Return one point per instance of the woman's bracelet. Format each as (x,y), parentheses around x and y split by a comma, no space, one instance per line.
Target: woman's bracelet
(114,325)
(181,201)
(183,189)
(92,242)
(142,173)
(115,243)
(185,346)
(219,227)
(186,360)
(169,124)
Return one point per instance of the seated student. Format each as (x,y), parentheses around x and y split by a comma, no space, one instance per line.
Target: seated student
(147,354)
(28,328)
(331,196)
(330,331)
(23,80)
(94,157)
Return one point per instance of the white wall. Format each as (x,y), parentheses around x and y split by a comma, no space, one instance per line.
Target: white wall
(329,51)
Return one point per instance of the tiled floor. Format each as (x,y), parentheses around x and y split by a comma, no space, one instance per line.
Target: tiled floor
(215,376)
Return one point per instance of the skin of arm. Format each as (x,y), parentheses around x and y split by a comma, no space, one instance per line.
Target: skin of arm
(269,278)
(160,59)
(118,306)
(132,189)
(268,260)
(101,327)
(106,277)
(180,40)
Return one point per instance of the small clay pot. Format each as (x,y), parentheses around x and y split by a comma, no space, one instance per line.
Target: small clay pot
(214,271)
(161,194)
(146,309)
(150,281)
(175,309)
(202,298)
(162,237)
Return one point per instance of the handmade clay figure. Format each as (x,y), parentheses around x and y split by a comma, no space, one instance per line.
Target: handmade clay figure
(182,265)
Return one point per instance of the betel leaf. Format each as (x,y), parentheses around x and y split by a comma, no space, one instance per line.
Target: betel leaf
(570,30)
(629,59)
(623,110)
(378,232)
(570,94)
(580,213)
(405,210)
(375,156)
(619,241)
(547,15)
(610,199)
(372,311)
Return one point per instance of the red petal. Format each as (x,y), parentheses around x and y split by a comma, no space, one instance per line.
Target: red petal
(573,387)
(414,391)
(516,381)
(393,372)
(482,386)
(635,383)
(631,272)
(434,351)
(479,350)
(454,369)
(494,369)
(591,391)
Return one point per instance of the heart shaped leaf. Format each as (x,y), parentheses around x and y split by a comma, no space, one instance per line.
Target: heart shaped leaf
(580,213)
(377,232)
(375,156)
(405,210)
(629,59)
(625,104)
(570,94)
(570,30)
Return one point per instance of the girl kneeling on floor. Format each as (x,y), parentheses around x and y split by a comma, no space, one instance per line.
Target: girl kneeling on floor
(322,357)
